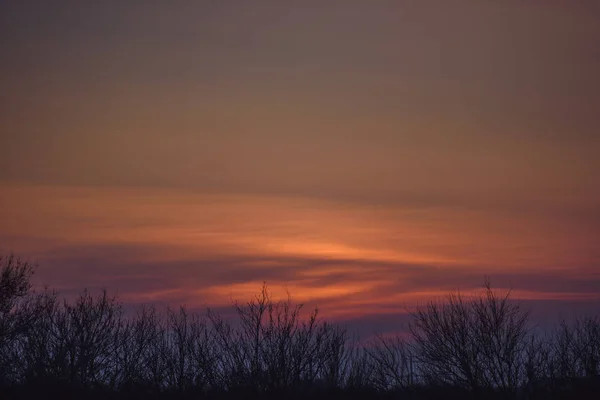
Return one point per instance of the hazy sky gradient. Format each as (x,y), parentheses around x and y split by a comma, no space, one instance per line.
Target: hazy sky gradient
(364,153)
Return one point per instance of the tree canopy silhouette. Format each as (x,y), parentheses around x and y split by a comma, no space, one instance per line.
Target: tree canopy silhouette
(461,346)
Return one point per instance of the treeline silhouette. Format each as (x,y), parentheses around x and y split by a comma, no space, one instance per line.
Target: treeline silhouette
(461,347)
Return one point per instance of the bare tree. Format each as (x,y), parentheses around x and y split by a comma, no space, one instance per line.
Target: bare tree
(204,355)
(15,285)
(16,311)
(461,344)
(356,365)
(274,349)
(392,361)
(190,357)
(501,334)
(577,348)
(476,344)
(269,338)
(538,367)
(15,276)
(87,339)
(36,347)
(136,353)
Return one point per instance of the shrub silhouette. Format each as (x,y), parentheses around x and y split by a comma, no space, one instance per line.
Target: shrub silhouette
(476,344)
(461,347)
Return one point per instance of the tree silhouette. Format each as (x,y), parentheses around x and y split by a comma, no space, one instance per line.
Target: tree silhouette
(476,344)
(459,347)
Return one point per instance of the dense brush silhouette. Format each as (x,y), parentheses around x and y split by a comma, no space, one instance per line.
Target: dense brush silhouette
(461,347)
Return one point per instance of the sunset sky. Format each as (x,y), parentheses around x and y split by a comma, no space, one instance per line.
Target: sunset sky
(365,155)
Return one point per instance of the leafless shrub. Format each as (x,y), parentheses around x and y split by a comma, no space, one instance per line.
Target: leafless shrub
(392,361)
(479,345)
(357,367)
(15,283)
(501,334)
(138,359)
(20,307)
(274,348)
(577,348)
(476,344)
(35,347)
(87,339)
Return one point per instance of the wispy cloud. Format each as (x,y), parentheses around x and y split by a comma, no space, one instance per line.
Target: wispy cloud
(354,262)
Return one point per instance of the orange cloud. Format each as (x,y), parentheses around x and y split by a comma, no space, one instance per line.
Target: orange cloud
(351,258)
